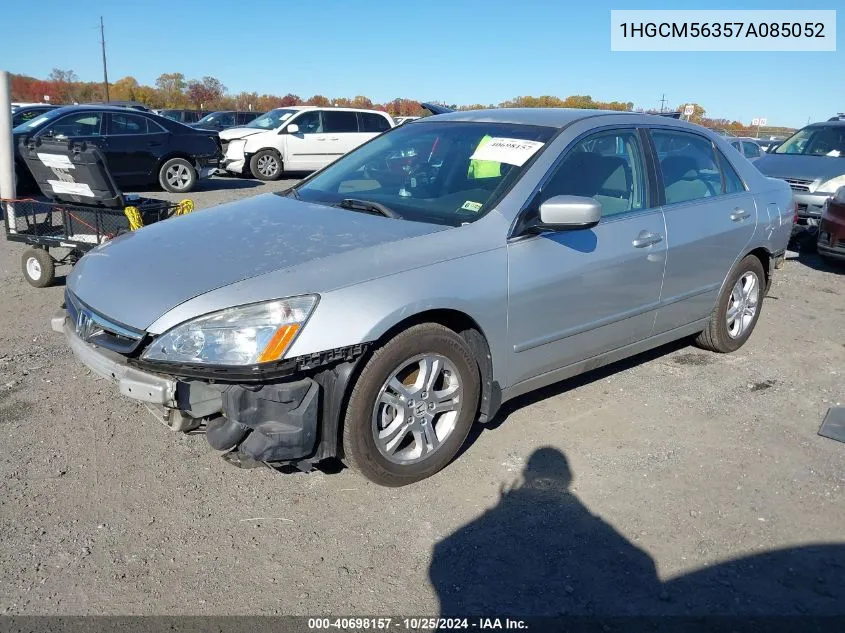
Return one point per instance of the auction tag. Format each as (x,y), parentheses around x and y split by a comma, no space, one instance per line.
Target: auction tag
(469,205)
(513,151)
(56,161)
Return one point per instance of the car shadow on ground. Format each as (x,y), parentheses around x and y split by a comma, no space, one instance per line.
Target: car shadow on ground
(541,552)
(814,261)
(572,383)
(225,183)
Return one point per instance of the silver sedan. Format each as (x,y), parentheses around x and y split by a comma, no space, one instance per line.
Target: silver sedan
(385,304)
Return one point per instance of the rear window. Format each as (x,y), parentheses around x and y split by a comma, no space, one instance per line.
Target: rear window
(372,122)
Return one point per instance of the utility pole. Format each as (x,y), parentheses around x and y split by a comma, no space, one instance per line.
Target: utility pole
(662,100)
(105,71)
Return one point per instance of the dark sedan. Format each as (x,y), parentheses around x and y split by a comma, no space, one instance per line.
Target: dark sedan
(140,148)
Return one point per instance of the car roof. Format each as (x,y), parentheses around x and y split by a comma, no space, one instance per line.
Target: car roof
(329,107)
(549,117)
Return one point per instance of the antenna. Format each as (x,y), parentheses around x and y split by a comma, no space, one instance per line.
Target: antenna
(105,71)
(662,99)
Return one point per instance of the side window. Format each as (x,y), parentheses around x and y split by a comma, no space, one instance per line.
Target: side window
(309,122)
(751,150)
(736,146)
(371,122)
(128,124)
(607,166)
(339,121)
(733,183)
(246,117)
(78,124)
(688,166)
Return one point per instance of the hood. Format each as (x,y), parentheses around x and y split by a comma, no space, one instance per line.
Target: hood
(139,276)
(240,132)
(801,167)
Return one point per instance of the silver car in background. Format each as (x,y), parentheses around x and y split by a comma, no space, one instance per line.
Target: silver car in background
(379,308)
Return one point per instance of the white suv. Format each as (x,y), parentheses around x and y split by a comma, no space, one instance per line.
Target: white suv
(298,138)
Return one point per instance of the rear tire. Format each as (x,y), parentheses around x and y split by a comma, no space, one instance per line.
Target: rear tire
(738,309)
(177,175)
(432,417)
(38,267)
(266,165)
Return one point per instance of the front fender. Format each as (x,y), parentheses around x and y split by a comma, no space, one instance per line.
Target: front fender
(475,285)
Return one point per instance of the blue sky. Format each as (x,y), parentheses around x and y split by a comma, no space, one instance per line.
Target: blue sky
(458,52)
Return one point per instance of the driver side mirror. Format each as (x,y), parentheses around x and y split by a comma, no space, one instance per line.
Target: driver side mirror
(292,128)
(568,213)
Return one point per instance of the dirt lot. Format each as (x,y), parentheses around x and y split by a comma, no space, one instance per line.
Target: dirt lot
(680,460)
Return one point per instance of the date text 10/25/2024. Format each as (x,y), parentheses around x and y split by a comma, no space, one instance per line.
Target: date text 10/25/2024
(414,624)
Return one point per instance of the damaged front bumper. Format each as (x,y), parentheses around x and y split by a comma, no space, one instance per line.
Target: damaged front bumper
(290,420)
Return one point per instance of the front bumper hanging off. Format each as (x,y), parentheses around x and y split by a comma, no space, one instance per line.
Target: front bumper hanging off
(292,420)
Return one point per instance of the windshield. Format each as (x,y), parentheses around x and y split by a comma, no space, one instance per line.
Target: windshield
(272,120)
(208,118)
(816,140)
(447,172)
(39,121)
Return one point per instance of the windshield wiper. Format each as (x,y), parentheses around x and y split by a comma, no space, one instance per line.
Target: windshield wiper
(369,207)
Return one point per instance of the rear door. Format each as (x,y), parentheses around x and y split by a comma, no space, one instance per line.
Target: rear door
(577,294)
(710,218)
(341,133)
(133,145)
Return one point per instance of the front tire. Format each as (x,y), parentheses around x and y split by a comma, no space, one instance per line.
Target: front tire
(266,165)
(177,175)
(412,406)
(738,309)
(38,267)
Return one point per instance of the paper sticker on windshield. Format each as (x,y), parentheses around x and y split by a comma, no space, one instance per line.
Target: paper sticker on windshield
(57,161)
(513,151)
(469,205)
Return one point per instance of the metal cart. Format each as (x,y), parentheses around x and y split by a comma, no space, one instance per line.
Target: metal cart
(83,207)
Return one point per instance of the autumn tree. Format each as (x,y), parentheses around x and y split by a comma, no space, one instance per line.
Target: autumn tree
(125,89)
(172,88)
(290,100)
(64,82)
(319,100)
(206,93)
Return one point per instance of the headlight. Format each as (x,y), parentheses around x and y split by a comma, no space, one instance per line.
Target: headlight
(246,335)
(829,186)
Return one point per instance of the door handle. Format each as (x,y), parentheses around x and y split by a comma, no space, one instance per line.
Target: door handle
(739,215)
(647,238)
(333,138)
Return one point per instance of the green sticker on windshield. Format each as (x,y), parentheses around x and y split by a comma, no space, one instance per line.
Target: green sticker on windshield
(469,205)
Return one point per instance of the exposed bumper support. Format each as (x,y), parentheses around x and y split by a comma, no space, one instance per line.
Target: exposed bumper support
(133,383)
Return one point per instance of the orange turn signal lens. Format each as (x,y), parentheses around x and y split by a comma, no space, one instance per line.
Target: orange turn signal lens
(278,345)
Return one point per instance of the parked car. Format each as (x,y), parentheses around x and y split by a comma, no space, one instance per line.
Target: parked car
(378,308)
(182,116)
(140,148)
(831,238)
(22,114)
(812,161)
(298,138)
(223,120)
(748,147)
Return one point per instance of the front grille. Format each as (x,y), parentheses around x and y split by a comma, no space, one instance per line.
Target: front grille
(799,184)
(98,330)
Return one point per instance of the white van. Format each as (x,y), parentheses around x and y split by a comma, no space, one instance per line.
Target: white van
(298,138)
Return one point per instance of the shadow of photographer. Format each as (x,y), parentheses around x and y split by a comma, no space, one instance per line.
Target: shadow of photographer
(541,552)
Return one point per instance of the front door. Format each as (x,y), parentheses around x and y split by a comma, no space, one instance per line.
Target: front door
(576,294)
(710,218)
(341,134)
(305,150)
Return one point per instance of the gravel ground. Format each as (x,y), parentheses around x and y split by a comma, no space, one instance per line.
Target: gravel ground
(657,473)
